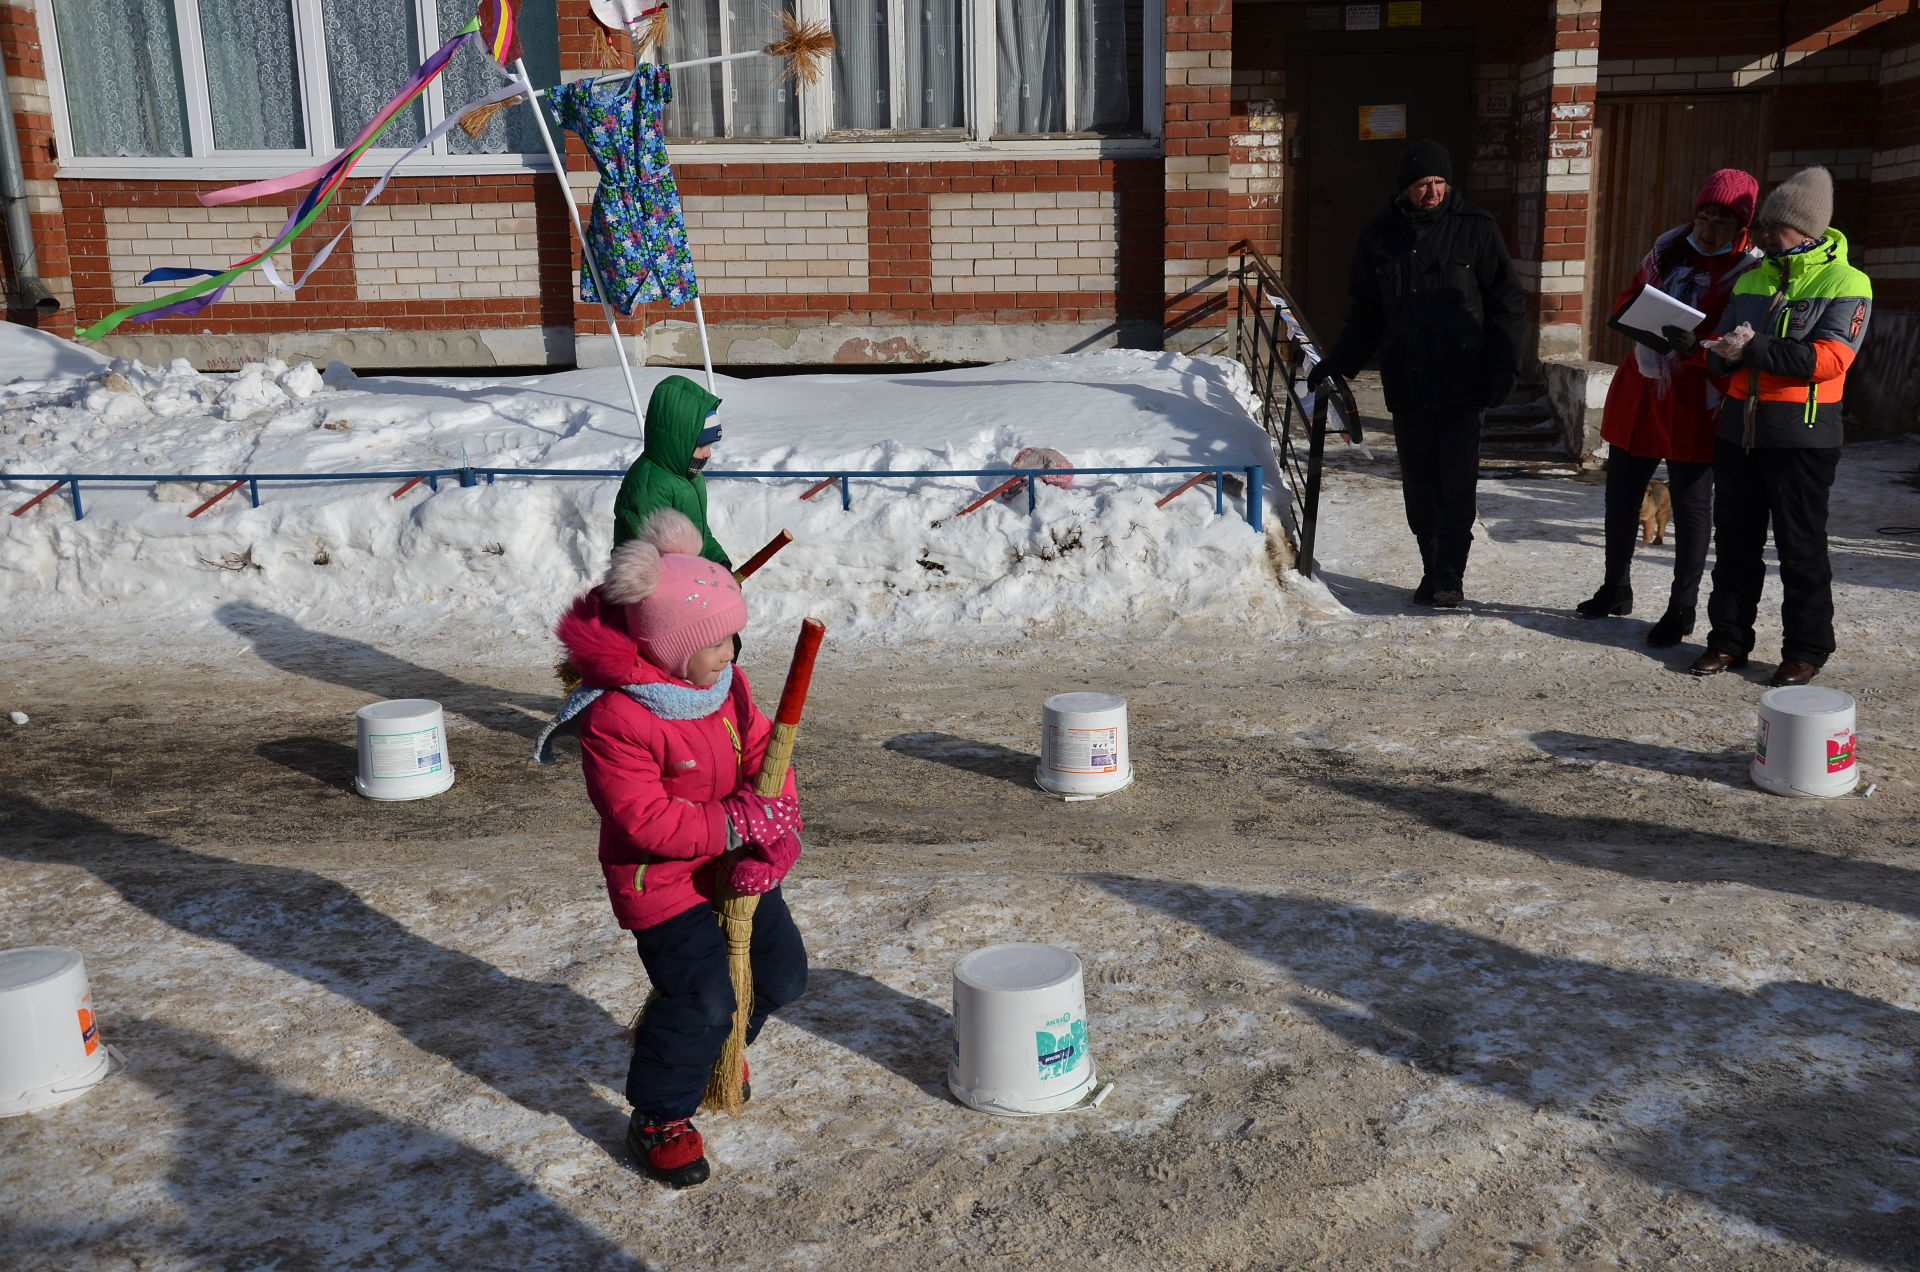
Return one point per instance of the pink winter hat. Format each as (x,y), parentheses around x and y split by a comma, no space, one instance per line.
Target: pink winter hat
(677,602)
(1730,188)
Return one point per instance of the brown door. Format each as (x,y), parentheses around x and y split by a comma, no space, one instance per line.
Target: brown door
(1362,97)
(1653,154)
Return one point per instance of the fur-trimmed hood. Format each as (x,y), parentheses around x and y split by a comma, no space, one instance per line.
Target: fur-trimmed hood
(594,632)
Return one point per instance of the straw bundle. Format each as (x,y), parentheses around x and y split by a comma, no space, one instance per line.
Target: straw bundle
(803,48)
(475,121)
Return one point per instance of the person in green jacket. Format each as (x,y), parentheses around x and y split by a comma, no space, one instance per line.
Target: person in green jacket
(679,436)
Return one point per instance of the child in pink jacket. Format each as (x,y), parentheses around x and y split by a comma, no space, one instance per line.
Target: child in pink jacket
(670,743)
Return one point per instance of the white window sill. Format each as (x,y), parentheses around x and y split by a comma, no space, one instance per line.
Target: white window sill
(772,151)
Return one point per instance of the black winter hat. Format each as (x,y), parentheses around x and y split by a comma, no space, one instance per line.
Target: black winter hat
(1423,159)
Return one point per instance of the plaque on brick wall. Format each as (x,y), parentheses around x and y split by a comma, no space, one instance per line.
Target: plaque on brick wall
(1363,17)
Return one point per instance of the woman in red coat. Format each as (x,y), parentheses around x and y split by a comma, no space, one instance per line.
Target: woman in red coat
(1664,407)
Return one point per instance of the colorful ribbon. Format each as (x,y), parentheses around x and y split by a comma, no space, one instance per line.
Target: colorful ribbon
(499,29)
(326,180)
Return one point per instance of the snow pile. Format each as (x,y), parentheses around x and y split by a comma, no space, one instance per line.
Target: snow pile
(506,557)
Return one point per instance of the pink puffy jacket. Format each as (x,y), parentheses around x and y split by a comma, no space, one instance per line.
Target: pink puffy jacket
(657,784)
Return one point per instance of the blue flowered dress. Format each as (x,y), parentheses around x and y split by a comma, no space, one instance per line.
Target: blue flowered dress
(636,233)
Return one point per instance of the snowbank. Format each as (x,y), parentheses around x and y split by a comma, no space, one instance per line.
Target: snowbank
(504,558)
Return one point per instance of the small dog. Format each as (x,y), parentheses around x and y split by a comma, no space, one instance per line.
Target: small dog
(1656,509)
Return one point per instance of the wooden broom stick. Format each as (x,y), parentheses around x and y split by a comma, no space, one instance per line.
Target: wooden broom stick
(735,911)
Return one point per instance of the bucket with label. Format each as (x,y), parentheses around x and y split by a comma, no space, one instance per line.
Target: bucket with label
(403,750)
(50,1045)
(1083,744)
(1020,1030)
(1806,743)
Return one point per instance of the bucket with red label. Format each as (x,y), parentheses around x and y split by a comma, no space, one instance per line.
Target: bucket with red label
(50,1047)
(1807,745)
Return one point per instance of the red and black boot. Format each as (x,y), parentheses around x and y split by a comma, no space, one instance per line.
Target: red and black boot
(671,1152)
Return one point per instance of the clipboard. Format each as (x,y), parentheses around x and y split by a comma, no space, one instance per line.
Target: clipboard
(1650,309)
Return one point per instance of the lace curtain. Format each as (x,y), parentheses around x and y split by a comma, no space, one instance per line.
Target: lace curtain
(1032,57)
(253,81)
(373,47)
(734,99)
(120,59)
(472,73)
(933,89)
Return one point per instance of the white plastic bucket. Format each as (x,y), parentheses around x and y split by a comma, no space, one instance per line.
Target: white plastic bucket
(1019,1030)
(403,750)
(1806,744)
(1083,744)
(50,1046)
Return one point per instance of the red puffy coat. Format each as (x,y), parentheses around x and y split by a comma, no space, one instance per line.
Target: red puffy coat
(1678,424)
(656,783)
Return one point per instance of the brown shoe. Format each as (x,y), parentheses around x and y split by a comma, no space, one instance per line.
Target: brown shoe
(1793,672)
(1713,662)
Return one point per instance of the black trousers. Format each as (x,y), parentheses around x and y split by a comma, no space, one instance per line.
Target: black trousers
(1787,489)
(681,1034)
(1691,487)
(1439,477)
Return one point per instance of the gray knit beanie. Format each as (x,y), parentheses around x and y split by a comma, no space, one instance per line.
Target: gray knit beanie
(1804,201)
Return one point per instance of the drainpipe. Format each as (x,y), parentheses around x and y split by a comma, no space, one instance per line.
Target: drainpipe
(34,294)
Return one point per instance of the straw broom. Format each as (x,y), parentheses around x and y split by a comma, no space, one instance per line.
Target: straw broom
(735,912)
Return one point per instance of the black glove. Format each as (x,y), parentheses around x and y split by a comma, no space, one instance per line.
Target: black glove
(1499,384)
(1318,376)
(1680,340)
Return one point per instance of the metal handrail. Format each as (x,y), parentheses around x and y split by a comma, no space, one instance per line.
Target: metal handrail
(1273,341)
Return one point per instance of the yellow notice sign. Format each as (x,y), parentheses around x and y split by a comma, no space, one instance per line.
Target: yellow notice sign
(1403,13)
(1383,123)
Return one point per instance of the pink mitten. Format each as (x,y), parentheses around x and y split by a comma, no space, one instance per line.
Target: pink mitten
(760,869)
(761,821)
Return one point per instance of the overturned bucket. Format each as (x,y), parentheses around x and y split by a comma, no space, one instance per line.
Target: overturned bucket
(50,1046)
(1083,745)
(1020,1030)
(1806,743)
(403,750)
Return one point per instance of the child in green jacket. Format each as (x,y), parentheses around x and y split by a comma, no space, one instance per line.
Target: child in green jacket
(679,436)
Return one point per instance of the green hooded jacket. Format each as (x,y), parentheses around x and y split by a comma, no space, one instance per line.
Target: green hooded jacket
(676,414)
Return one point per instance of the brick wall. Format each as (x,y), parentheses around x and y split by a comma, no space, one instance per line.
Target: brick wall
(1199,124)
(33,120)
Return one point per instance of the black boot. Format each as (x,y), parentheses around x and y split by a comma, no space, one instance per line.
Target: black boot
(1674,626)
(1613,599)
(1423,594)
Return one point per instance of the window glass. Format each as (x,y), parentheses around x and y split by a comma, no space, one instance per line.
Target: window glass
(373,47)
(121,62)
(693,31)
(747,98)
(1110,50)
(1032,66)
(860,53)
(253,77)
(763,103)
(472,73)
(936,79)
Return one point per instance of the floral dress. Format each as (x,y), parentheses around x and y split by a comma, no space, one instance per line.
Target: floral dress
(636,233)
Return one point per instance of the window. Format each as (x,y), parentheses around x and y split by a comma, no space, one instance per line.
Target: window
(268,78)
(1042,69)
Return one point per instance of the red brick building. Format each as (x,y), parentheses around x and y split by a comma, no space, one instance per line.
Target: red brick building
(970,180)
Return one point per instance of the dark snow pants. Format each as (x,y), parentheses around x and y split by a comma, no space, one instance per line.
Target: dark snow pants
(681,1034)
(1439,476)
(1691,487)
(1787,487)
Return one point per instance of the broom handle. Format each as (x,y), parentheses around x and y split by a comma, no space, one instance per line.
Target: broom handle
(793,699)
(763,556)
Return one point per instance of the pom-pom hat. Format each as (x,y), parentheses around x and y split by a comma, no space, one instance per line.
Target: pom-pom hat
(676,601)
(1732,189)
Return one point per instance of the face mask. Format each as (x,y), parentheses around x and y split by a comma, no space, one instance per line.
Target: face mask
(695,464)
(1694,243)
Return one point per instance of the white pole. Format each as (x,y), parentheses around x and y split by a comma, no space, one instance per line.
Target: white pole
(586,252)
(706,354)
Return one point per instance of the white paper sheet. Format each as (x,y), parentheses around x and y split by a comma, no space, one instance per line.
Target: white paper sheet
(1653,309)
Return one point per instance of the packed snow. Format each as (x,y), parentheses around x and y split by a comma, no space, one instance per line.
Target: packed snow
(900,564)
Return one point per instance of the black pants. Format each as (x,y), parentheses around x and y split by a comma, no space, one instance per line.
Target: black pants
(1691,487)
(681,1034)
(1439,474)
(1786,487)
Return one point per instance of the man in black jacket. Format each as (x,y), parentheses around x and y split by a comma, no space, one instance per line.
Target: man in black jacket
(1433,292)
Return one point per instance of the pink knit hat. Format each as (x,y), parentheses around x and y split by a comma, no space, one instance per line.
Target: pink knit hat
(1730,188)
(677,602)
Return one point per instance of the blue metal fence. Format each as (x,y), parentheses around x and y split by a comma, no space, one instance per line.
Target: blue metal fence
(473,476)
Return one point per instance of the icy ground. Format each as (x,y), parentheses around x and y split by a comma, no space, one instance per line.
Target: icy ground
(1451,941)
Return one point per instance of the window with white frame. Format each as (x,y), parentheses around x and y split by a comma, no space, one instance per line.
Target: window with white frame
(233,79)
(968,69)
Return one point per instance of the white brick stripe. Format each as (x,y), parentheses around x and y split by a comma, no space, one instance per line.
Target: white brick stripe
(446,251)
(141,239)
(1041,241)
(786,244)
